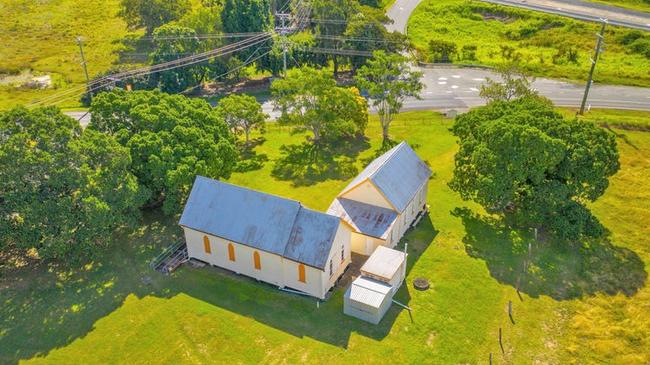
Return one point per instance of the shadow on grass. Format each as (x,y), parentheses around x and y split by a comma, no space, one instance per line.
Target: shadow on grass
(560,271)
(249,160)
(307,164)
(49,307)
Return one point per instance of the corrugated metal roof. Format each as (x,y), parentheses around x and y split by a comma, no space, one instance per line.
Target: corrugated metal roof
(383,263)
(398,173)
(365,218)
(369,292)
(270,223)
(311,238)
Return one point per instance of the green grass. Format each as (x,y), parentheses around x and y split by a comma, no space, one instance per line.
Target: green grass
(573,308)
(534,39)
(40,36)
(623,119)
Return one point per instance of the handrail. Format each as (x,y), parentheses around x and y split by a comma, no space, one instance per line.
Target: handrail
(165,254)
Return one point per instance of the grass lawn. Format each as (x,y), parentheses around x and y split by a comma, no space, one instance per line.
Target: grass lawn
(38,37)
(588,305)
(545,45)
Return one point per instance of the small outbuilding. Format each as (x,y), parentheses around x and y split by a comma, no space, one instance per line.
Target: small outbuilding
(371,294)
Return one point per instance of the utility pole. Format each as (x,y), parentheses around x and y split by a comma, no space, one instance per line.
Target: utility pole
(283,30)
(83,63)
(600,36)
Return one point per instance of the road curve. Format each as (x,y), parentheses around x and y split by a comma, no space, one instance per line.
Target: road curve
(578,9)
(453,87)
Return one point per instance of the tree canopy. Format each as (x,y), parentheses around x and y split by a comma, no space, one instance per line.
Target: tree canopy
(513,84)
(171,139)
(242,113)
(172,42)
(62,191)
(523,160)
(310,101)
(239,16)
(389,81)
(152,13)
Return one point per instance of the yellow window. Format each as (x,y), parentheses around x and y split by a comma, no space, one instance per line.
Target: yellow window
(206,245)
(231,252)
(301,273)
(256,260)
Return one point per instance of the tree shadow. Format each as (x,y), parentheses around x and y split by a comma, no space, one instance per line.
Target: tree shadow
(249,159)
(560,271)
(50,306)
(307,163)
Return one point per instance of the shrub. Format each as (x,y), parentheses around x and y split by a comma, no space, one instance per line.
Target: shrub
(442,50)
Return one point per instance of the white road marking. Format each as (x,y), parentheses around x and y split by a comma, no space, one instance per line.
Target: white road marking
(454,86)
(478,79)
(442,82)
(442,78)
(456,76)
(473,89)
(448,91)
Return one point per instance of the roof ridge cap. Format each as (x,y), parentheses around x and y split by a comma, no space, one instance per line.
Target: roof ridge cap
(394,149)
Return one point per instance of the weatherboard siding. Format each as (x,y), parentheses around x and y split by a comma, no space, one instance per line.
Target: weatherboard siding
(275,269)
(270,264)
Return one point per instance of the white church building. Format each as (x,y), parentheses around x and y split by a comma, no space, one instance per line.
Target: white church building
(382,202)
(282,242)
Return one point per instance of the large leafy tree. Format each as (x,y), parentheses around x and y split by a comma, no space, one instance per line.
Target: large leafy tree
(171,139)
(242,113)
(389,81)
(239,16)
(524,161)
(152,13)
(310,101)
(367,32)
(62,191)
(331,18)
(172,42)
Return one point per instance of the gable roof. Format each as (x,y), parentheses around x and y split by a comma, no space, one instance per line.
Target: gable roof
(364,218)
(398,174)
(311,237)
(267,222)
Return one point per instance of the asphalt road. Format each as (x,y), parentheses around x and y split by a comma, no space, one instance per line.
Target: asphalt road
(583,10)
(457,88)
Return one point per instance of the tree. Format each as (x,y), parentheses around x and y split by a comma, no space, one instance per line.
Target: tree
(172,42)
(171,139)
(310,101)
(329,32)
(240,16)
(442,50)
(514,84)
(367,32)
(152,13)
(388,80)
(522,160)
(242,113)
(62,191)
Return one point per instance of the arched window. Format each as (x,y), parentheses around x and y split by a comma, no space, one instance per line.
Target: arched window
(256,260)
(206,245)
(301,273)
(231,252)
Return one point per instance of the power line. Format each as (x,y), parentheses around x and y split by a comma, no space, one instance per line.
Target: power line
(182,62)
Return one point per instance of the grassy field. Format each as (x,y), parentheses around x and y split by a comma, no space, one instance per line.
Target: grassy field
(38,38)
(623,119)
(543,44)
(583,306)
